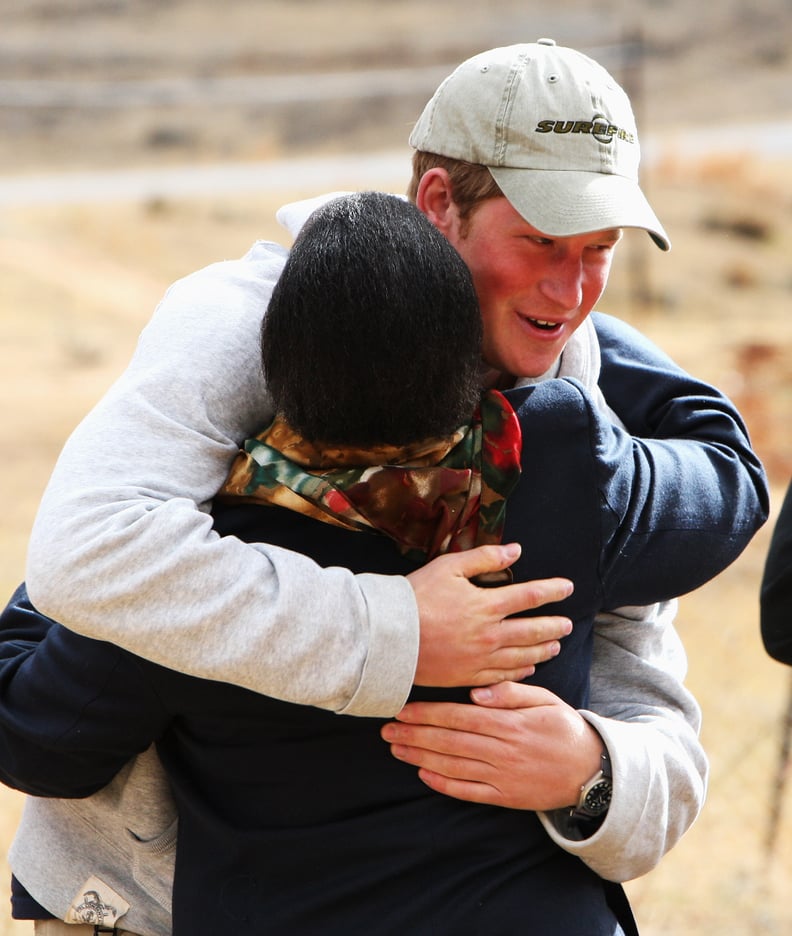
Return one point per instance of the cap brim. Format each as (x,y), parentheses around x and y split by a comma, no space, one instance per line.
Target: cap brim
(563,204)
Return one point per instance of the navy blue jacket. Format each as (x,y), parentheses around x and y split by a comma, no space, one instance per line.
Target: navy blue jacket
(295,820)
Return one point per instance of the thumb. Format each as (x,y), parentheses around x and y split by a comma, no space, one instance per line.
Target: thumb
(509,695)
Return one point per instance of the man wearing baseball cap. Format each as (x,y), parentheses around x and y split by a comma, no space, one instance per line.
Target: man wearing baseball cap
(555,131)
(526,159)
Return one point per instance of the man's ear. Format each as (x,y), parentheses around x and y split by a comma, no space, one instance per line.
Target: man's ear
(435,199)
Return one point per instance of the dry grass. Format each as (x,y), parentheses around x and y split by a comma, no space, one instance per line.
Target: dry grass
(78,283)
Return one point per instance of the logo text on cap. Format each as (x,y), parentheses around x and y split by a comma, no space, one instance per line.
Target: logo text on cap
(598,127)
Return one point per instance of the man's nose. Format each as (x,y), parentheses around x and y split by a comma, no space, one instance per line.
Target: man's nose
(563,284)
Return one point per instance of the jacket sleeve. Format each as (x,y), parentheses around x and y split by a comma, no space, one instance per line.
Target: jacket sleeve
(650,724)
(776,590)
(123,539)
(665,527)
(648,720)
(656,399)
(669,525)
(73,711)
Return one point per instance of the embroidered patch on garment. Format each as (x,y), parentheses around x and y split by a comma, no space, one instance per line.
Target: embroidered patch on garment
(96,904)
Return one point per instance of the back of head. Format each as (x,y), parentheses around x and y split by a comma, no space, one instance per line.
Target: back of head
(555,131)
(373,332)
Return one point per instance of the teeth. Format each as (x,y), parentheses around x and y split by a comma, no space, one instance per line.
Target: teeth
(543,324)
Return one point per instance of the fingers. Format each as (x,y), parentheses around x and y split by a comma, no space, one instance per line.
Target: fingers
(468,636)
(526,596)
(509,599)
(520,746)
(452,761)
(471,791)
(484,718)
(511,695)
(519,644)
(436,748)
(465,779)
(525,631)
(442,725)
(483,559)
(453,755)
(514,663)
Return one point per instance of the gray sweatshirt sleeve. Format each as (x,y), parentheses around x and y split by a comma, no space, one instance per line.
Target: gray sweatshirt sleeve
(650,725)
(120,552)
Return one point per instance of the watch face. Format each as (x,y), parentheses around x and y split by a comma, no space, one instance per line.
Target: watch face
(598,797)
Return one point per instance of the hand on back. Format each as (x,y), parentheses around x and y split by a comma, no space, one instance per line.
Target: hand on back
(467,637)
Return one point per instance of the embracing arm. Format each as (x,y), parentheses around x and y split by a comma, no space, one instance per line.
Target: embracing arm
(639,706)
(666,527)
(669,525)
(647,719)
(73,711)
(655,398)
(120,546)
(776,592)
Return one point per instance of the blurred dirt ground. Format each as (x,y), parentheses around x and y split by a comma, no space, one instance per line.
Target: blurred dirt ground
(79,281)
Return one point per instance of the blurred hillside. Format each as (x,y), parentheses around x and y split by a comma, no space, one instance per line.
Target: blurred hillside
(114,82)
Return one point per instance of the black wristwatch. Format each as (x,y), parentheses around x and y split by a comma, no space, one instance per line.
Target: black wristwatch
(595,796)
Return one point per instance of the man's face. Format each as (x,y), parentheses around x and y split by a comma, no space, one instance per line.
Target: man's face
(534,290)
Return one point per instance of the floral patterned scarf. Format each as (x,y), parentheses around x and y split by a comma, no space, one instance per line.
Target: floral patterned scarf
(438,496)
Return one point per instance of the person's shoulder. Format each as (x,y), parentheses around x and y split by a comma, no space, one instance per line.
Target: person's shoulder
(547,392)
(262,263)
(237,290)
(562,437)
(554,401)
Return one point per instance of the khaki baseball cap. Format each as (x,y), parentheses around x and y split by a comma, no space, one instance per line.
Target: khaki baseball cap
(555,130)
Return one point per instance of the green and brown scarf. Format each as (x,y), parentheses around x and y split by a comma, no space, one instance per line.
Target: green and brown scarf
(443,495)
